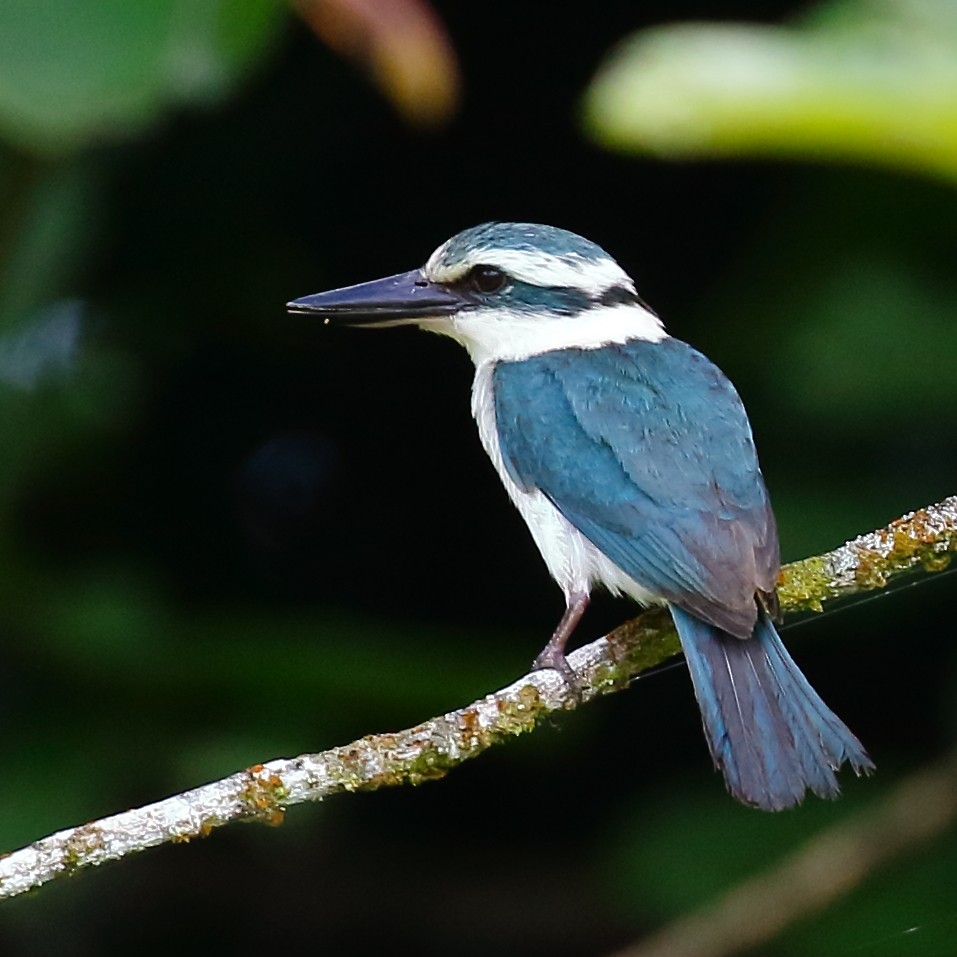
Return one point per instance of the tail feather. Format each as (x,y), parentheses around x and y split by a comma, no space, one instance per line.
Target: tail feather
(836,741)
(769,732)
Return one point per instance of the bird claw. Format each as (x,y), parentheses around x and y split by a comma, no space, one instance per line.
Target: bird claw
(553,654)
(554,659)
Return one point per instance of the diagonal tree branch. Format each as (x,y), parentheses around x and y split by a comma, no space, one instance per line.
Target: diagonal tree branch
(921,541)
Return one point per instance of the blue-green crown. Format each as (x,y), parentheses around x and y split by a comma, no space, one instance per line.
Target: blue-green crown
(522,237)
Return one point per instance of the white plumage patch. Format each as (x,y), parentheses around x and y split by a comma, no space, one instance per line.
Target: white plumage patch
(591,276)
(495,334)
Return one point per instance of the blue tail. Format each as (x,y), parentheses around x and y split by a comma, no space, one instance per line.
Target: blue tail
(768,730)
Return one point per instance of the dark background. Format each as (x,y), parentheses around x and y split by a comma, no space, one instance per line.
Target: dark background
(229,534)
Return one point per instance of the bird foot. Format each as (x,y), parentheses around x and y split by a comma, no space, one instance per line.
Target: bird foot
(554,658)
(553,654)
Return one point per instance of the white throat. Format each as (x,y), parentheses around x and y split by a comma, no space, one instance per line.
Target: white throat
(491,336)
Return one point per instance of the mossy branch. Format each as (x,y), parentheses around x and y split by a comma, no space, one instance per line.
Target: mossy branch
(922,541)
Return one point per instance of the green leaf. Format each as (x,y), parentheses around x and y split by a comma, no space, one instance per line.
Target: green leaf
(871,81)
(72,73)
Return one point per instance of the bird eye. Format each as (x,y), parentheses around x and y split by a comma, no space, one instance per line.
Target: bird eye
(487,279)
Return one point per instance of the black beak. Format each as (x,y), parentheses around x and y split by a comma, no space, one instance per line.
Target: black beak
(395,300)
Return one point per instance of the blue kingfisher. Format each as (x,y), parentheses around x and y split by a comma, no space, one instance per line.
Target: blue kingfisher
(630,457)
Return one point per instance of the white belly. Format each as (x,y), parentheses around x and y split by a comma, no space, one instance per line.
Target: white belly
(572,560)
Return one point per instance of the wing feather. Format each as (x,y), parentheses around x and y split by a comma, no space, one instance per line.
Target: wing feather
(646,449)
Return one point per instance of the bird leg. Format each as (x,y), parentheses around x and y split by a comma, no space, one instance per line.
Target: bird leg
(553,654)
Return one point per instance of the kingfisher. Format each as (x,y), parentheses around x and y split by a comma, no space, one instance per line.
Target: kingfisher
(630,457)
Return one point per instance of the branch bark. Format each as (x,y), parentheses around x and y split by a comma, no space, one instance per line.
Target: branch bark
(921,541)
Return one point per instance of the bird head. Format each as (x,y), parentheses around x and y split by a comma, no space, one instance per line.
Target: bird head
(505,291)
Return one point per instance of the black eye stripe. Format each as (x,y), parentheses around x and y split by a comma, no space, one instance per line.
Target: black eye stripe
(485,280)
(618,296)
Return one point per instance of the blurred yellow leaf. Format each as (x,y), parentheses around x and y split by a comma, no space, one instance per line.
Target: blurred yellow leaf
(873,81)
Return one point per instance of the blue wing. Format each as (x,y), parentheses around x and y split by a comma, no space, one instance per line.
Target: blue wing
(646,449)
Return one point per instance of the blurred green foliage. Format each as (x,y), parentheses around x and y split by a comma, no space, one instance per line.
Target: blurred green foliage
(80,73)
(172,171)
(897,912)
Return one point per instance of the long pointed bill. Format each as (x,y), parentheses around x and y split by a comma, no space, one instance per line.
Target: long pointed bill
(395,300)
